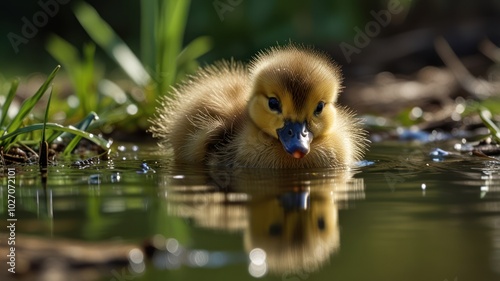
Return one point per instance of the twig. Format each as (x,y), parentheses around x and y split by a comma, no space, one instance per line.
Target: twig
(479,88)
(490,50)
(34,154)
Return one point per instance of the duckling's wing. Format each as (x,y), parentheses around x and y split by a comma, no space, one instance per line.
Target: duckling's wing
(200,114)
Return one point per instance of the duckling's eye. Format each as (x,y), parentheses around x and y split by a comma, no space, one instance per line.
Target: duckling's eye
(274,105)
(319,108)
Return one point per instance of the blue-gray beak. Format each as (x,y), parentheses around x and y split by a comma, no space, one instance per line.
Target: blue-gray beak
(295,138)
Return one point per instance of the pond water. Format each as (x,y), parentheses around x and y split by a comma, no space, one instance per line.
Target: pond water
(402,215)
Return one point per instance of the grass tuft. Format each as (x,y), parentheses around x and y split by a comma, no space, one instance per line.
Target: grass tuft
(19,134)
(486,115)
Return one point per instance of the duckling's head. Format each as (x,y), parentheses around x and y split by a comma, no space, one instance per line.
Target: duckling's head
(293,94)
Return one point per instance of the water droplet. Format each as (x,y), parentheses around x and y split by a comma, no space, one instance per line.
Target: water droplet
(116,177)
(257,256)
(198,258)
(416,113)
(257,271)
(132,109)
(94,179)
(136,256)
(172,245)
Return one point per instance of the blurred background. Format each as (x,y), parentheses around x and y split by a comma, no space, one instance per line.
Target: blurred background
(240,28)
(395,38)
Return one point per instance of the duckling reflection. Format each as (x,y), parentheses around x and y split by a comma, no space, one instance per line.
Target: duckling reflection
(292,217)
(298,230)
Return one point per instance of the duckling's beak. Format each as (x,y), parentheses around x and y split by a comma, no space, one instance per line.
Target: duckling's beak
(295,138)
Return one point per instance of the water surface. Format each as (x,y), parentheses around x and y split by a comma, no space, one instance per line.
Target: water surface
(401,216)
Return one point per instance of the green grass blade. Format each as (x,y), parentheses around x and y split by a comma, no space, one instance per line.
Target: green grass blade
(63,51)
(149,16)
(29,103)
(8,101)
(195,49)
(46,118)
(85,123)
(43,154)
(105,37)
(54,136)
(171,25)
(67,55)
(186,61)
(60,128)
(81,72)
(82,125)
(72,145)
(485,115)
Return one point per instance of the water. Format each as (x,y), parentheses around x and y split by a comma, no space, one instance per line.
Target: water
(401,216)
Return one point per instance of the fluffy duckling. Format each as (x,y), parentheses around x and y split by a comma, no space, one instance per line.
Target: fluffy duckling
(280,112)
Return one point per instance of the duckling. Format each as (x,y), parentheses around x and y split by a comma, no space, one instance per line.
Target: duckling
(280,111)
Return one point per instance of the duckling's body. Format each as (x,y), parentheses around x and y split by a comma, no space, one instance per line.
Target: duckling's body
(278,113)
